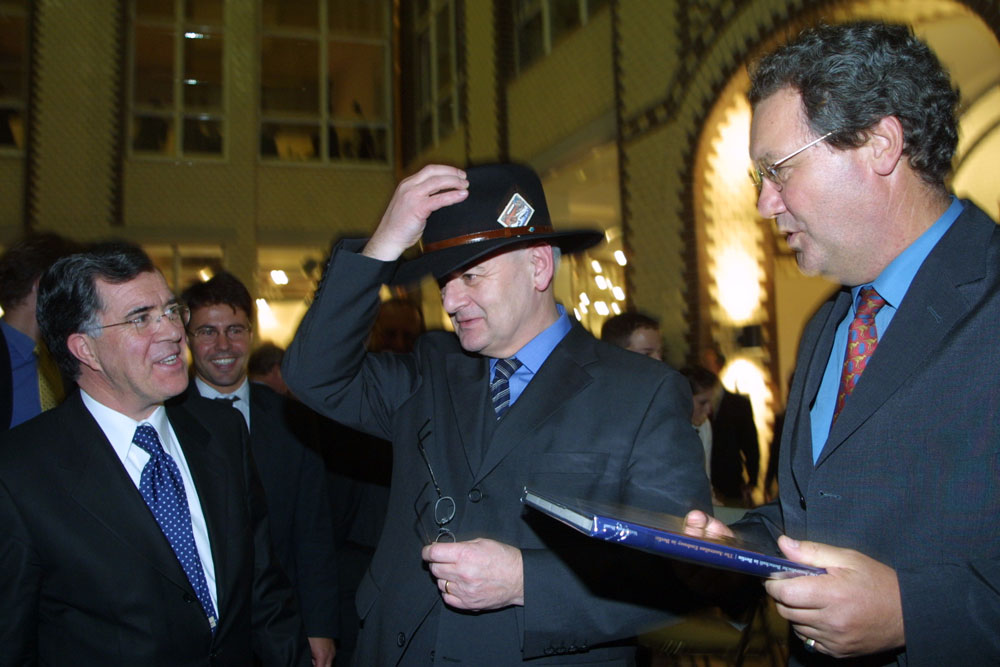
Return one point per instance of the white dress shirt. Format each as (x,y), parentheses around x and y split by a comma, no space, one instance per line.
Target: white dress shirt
(120,429)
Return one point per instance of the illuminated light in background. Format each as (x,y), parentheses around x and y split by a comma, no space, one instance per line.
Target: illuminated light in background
(194,35)
(596,266)
(265,316)
(205,275)
(616,309)
(618,292)
(601,308)
(584,299)
(602,283)
(738,279)
(620,258)
(583,308)
(576,312)
(279,277)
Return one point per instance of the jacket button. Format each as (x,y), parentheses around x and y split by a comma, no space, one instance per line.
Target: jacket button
(400,639)
(475,495)
(189,599)
(802,502)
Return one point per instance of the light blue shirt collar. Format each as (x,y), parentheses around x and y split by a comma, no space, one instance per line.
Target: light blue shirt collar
(535,352)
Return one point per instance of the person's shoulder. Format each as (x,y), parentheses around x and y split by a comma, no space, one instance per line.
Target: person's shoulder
(211,414)
(36,441)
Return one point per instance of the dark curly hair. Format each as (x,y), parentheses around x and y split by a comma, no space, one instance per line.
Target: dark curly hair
(852,75)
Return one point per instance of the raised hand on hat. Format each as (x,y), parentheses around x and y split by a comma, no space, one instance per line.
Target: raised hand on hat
(416,197)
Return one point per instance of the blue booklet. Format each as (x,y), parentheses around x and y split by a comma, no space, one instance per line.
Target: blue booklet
(663,534)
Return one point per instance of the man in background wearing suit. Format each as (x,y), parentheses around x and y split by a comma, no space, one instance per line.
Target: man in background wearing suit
(29,379)
(220,335)
(134,533)
(520,396)
(888,481)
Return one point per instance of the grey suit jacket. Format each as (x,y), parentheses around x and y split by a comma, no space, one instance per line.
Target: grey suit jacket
(910,473)
(86,575)
(595,422)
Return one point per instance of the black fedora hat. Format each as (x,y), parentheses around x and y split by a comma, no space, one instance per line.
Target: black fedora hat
(505,206)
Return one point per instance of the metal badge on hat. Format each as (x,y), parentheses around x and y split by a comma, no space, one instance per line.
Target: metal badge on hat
(516,213)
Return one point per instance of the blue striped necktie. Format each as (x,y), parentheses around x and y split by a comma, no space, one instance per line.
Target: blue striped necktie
(162,489)
(500,386)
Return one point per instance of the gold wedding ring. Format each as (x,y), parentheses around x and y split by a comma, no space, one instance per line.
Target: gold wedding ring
(446,591)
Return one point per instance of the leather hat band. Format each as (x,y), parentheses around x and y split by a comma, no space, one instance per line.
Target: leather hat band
(505,233)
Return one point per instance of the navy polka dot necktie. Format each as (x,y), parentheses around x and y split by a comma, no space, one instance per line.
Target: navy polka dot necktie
(162,489)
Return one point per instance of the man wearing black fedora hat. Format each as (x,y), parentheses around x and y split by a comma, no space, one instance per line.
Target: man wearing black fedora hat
(518,396)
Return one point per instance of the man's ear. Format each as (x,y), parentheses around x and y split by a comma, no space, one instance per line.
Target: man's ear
(885,145)
(81,346)
(543,265)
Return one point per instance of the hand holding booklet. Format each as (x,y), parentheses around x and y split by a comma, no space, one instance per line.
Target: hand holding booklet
(664,534)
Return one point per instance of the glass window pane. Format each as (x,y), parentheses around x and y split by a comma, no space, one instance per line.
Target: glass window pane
(358,17)
(530,42)
(290,14)
(289,141)
(202,135)
(152,134)
(154,9)
(11,128)
(154,67)
(204,11)
(564,17)
(203,72)
(446,117)
(356,81)
(423,46)
(289,76)
(443,41)
(13,53)
(358,142)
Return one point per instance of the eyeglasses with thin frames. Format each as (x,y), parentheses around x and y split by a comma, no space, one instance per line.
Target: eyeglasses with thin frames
(146,323)
(444,506)
(232,332)
(762,171)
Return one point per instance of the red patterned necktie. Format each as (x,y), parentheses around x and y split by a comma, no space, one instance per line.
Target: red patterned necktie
(862,339)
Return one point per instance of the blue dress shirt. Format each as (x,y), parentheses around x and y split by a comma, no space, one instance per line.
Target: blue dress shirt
(535,352)
(892,285)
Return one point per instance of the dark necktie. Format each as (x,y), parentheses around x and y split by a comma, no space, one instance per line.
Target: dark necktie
(862,339)
(162,489)
(227,399)
(500,386)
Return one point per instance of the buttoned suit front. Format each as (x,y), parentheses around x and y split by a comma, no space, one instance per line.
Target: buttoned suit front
(910,472)
(595,422)
(86,575)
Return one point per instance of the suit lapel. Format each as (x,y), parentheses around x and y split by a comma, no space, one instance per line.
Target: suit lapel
(212,487)
(813,368)
(468,385)
(560,378)
(103,488)
(932,306)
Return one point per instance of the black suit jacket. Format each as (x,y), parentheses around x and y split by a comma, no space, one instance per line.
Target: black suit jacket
(910,473)
(86,575)
(6,384)
(298,505)
(734,446)
(595,422)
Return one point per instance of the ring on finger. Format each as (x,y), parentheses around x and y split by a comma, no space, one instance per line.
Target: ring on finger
(446,591)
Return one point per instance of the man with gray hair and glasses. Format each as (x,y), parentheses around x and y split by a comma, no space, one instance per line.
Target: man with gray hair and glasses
(891,446)
(133,532)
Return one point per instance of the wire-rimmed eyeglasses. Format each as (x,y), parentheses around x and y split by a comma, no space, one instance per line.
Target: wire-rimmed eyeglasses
(444,506)
(761,171)
(146,323)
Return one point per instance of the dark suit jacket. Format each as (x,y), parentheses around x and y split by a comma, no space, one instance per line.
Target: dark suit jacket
(910,474)
(298,505)
(734,446)
(6,384)
(86,575)
(596,422)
